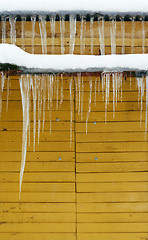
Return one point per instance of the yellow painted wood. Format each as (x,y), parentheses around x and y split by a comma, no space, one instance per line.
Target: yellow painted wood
(111,196)
(39,217)
(97,187)
(38,236)
(37,207)
(113,167)
(111,207)
(113,177)
(112,217)
(112,236)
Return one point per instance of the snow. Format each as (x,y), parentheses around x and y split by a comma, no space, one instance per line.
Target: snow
(11,54)
(66,6)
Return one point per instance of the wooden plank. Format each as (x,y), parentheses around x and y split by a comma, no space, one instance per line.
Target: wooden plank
(112,177)
(37,207)
(112,227)
(111,207)
(112,217)
(55,125)
(40,187)
(38,227)
(39,217)
(16,136)
(38,236)
(112,167)
(38,156)
(38,167)
(110,137)
(112,157)
(112,236)
(37,177)
(111,127)
(113,187)
(117,196)
(112,147)
(40,197)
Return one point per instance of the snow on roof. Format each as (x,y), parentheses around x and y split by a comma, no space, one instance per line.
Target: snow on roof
(11,54)
(95,6)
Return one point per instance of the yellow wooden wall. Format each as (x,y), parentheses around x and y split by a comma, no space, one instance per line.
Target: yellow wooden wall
(99,188)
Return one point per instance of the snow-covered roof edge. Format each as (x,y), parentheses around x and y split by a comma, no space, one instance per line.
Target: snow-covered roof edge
(109,7)
(37,63)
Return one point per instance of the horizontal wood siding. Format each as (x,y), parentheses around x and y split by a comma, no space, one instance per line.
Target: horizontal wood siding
(99,187)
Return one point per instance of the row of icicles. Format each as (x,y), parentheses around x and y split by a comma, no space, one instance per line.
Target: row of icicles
(38,91)
(73,28)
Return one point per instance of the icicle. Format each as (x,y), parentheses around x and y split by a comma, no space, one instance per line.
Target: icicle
(76,90)
(95,90)
(8,86)
(24,86)
(107,93)
(82,94)
(52,24)
(23,20)
(113,36)
(101,36)
(42,25)
(79,89)
(34,90)
(71,107)
(114,91)
(143,36)
(12,21)
(72,33)
(103,84)
(51,97)
(89,103)
(133,35)
(44,98)
(57,95)
(82,36)
(62,32)
(33,20)
(92,34)
(1,90)
(3,20)
(61,89)
(123,35)
(39,82)
(140,83)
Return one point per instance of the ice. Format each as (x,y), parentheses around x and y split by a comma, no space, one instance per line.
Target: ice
(92,35)
(143,36)
(82,36)
(42,26)
(3,21)
(62,95)
(72,20)
(52,25)
(62,33)
(113,36)
(12,21)
(1,89)
(141,88)
(23,20)
(146,115)
(89,101)
(123,35)
(33,21)
(101,35)
(25,93)
(71,106)
(133,35)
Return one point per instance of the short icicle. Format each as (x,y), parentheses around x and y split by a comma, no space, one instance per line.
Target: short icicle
(3,21)
(33,21)
(72,33)
(42,26)
(62,33)
(52,25)
(101,35)
(12,21)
